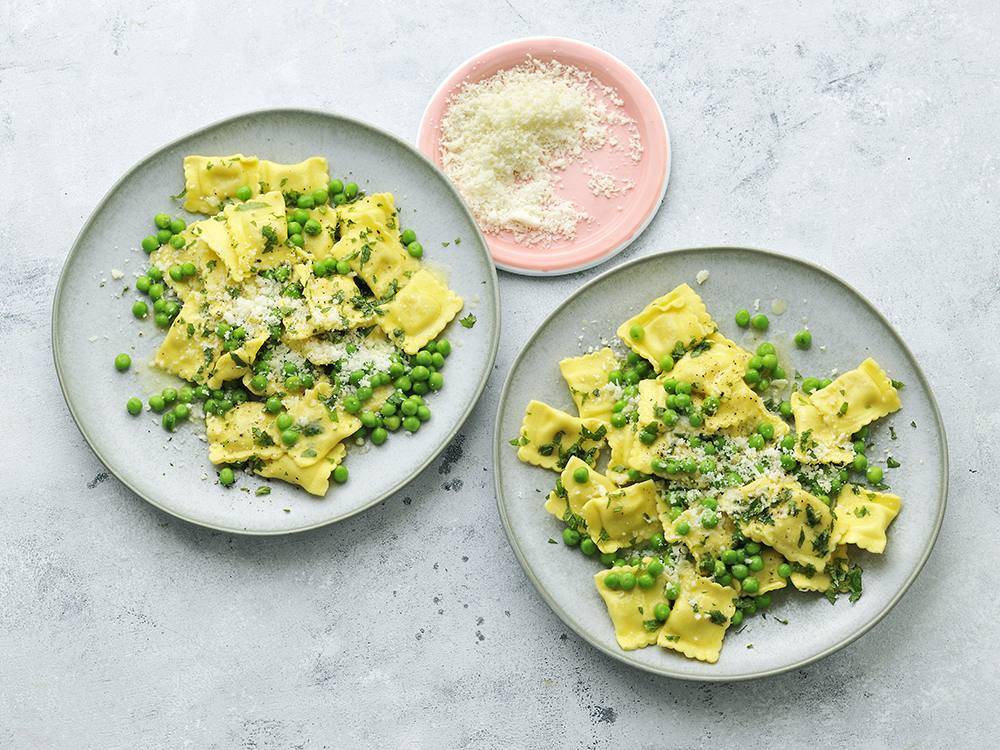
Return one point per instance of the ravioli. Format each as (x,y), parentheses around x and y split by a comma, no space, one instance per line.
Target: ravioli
(699,619)
(587,379)
(863,516)
(567,500)
(211,180)
(419,312)
(550,437)
(677,318)
(623,517)
(631,612)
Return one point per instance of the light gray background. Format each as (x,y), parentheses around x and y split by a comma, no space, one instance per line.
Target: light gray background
(861,138)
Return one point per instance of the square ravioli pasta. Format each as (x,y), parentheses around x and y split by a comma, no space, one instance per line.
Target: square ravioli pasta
(728,481)
(300,315)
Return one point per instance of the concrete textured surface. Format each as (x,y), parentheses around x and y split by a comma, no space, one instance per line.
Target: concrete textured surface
(861,136)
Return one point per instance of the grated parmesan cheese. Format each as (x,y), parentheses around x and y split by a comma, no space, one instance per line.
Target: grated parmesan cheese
(502,138)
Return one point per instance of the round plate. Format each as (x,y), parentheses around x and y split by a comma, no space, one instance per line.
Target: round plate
(617,220)
(847,329)
(92,322)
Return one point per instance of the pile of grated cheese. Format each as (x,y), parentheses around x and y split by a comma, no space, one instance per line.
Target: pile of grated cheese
(504,139)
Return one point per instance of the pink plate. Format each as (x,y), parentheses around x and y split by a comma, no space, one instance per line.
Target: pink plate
(617,220)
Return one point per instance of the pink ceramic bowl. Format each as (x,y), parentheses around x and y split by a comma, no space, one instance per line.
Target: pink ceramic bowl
(616,220)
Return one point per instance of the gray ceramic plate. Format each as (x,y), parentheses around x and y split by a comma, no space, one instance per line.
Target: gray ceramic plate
(850,329)
(92,322)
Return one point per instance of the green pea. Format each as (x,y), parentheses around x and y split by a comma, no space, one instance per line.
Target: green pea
(809,385)
(763,601)
(134,406)
(437,359)
(293,383)
(635,332)
(392,423)
(444,347)
(289,437)
(661,611)
(860,462)
(154,273)
(874,474)
(581,475)
(695,419)
(169,395)
(571,537)
(143,283)
(163,236)
(645,581)
(177,226)
(709,519)
(435,381)
(655,567)
(223,405)
(351,189)
(787,442)
(352,404)
(150,243)
(186,394)
(226,476)
(751,377)
(420,373)
(613,581)
(756,563)
(274,405)
(587,546)
(334,187)
(156,403)
(312,227)
(423,413)
(155,291)
(628,581)
(666,363)
(182,412)
(259,382)
(162,221)
(752,548)
(788,463)
(759,322)
(766,430)
(188,269)
(618,420)
(785,409)
(756,363)
(859,446)
(284,421)
(294,227)
(824,383)
(305,201)
(339,199)
(803,339)
(407,236)
(770,361)
(320,197)
(751,585)
(415,249)
(169,421)
(176,273)
(743,318)
(411,424)
(140,309)
(682,528)
(243,192)
(340,474)
(296,239)
(739,571)
(737,619)
(731,557)
(123,362)
(671,591)
(409,407)
(785,570)
(171,308)
(756,442)
(177,242)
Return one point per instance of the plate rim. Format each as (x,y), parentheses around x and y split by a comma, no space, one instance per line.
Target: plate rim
(448,83)
(620,655)
(57,304)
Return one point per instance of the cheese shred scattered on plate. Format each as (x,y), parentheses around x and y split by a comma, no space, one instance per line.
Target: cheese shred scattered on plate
(505,139)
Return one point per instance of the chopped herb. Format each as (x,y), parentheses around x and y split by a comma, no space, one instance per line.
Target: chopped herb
(892,463)
(552,541)
(264,490)
(468,321)
(716,617)
(892,432)
(651,625)
(897,384)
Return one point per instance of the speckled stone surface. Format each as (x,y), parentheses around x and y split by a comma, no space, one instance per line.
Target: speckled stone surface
(863,138)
